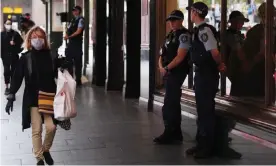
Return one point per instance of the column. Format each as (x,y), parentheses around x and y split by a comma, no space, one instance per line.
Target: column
(133,41)
(157,36)
(86,12)
(93,36)
(115,79)
(100,45)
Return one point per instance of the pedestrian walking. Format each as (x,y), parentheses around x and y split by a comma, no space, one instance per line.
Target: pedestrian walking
(11,43)
(39,70)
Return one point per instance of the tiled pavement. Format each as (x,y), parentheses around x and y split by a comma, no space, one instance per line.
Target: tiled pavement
(109,130)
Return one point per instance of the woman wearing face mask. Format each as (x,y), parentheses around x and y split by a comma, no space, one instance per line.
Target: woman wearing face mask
(39,70)
(11,42)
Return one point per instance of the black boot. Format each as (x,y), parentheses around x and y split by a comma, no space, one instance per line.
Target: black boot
(192,150)
(166,138)
(40,162)
(7,91)
(203,153)
(177,134)
(229,153)
(204,148)
(48,158)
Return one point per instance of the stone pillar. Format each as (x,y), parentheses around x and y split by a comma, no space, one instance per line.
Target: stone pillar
(100,45)
(93,36)
(115,79)
(86,33)
(133,41)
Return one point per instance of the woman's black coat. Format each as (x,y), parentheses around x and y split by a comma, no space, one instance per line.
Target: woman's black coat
(25,70)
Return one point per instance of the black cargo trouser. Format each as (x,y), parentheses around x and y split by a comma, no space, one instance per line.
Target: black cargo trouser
(74,56)
(9,62)
(172,109)
(206,87)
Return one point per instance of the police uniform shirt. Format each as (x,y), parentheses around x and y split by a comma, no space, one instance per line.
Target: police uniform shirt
(175,40)
(185,41)
(206,36)
(80,24)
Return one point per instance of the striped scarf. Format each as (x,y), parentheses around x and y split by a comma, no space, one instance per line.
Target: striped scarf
(46,102)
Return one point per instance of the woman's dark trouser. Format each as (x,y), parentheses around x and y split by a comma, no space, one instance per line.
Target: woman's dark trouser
(206,87)
(172,109)
(9,63)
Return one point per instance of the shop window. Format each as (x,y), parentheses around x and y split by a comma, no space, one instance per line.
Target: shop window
(246,65)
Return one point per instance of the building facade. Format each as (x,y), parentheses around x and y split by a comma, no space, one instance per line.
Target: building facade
(137,76)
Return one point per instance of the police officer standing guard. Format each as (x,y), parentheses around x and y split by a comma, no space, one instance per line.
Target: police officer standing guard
(206,57)
(74,48)
(173,65)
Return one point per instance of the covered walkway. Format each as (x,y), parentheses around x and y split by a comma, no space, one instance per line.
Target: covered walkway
(111,130)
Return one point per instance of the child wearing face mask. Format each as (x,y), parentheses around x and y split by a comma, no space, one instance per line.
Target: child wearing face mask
(39,69)
(11,42)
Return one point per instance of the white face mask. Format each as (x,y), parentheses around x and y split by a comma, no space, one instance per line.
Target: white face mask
(8,27)
(37,43)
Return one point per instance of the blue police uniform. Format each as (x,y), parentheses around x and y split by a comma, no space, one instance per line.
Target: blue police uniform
(175,78)
(74,47)
(206,81)
(179,39)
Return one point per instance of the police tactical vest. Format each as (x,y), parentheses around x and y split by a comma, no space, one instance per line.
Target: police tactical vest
(202,58)
(73,28)
(170,48)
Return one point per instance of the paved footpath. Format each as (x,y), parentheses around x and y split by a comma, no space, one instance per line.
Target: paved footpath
(109,130)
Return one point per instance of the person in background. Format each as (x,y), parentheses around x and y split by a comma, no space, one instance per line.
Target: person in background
(11,42)
(233,57)
(38,69)
(174,67)
(74,48)
(25,25)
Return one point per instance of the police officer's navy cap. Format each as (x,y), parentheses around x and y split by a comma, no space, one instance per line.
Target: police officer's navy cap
(77,8)
(237,15)
(175,15)
(200,7)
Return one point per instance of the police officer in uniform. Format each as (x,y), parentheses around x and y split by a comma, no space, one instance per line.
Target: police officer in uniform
(206,57)
(174,66)
(74,48)
(234,59)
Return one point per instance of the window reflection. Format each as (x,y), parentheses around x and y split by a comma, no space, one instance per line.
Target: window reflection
(246,62)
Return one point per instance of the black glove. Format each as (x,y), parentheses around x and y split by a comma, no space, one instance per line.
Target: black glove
(9,106)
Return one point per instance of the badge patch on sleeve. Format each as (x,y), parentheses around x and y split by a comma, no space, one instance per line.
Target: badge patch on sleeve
(204,37)
(183,38)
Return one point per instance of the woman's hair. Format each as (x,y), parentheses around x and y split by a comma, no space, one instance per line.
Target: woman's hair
(27,42)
